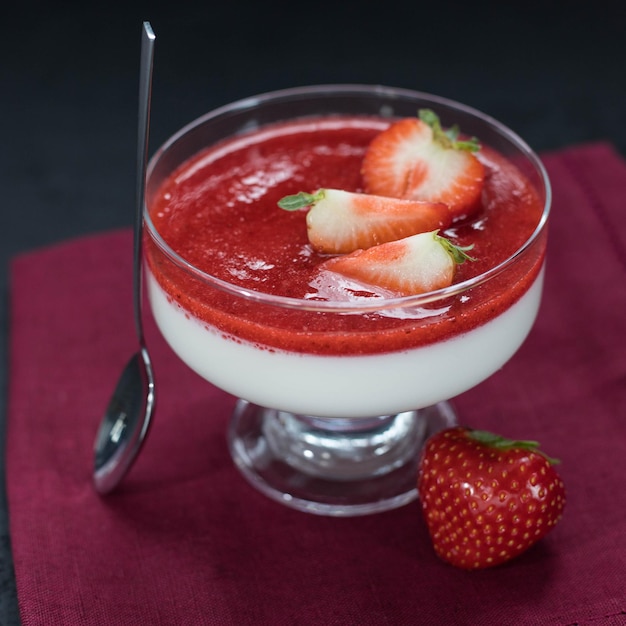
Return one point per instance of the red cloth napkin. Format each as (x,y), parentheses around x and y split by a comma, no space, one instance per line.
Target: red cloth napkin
(187,541)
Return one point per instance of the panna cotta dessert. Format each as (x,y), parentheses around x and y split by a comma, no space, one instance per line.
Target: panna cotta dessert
(345,253)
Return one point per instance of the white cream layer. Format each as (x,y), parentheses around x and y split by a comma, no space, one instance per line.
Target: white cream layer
(345,386)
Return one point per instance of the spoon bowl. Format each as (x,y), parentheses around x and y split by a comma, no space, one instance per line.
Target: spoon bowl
(125,422)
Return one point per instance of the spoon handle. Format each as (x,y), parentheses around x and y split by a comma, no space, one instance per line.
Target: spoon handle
(143,131)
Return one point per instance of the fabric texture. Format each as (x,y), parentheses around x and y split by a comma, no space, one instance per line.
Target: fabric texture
(186,540)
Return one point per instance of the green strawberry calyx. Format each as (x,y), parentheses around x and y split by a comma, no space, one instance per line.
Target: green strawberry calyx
(458,253)
(301,200)
(447,138)
(502,443)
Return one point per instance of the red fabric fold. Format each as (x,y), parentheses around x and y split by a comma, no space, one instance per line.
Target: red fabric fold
(186,540)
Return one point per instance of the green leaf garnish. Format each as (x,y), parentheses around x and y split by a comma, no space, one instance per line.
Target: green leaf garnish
(447,138)
(458,253)
(300,200)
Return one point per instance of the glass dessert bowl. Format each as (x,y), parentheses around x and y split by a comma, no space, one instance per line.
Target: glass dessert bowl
(339,382)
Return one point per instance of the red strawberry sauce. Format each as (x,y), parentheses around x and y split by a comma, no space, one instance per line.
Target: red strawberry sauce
(219,212)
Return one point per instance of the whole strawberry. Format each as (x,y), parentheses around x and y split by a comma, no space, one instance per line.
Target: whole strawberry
(486,499)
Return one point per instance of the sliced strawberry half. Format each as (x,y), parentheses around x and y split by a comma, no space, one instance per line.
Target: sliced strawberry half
(412,265)
(340,222)
(416,159)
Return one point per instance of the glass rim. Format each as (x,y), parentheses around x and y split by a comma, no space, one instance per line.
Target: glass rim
(375,303)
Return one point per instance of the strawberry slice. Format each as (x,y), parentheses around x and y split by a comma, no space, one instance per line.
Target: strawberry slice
(416,159)
(342,221)
(412,265)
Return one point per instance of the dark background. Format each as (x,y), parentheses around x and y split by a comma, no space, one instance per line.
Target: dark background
(553,72)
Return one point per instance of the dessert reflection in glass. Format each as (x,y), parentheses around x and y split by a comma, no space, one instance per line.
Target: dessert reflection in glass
(339,380)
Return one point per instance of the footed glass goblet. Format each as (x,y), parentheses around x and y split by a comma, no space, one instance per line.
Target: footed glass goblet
(338,383)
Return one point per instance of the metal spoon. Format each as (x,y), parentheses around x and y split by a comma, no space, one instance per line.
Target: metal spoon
(130,409)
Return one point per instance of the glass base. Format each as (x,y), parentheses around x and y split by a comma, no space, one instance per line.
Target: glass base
(333,466)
